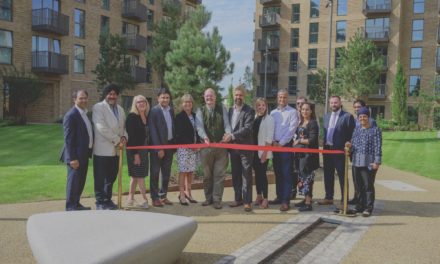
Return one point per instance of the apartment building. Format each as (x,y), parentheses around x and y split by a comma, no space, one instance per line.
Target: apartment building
(294,35)
(58,41)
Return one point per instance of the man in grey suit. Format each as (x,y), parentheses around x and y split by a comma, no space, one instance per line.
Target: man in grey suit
(161,124)
(241,117)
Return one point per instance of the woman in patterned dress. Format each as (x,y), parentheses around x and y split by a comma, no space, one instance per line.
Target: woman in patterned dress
(186,158)
(137,160)
(366,151)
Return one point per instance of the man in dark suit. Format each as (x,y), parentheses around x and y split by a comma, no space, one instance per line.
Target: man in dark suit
(78,144)
(338,129)
(161,124)
(241,117)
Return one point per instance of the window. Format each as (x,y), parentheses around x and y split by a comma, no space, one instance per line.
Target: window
(79,23)
(150,19)
(342,7)
(382,84)
(79,59)
(293,89)
(438,58)
(40,43)
(383,50)
(312,82)
(130,29)
(105,4)
(105,24)
(313,32)
(377,27)
(271,10)
(413,115)
(149,43)
(338,57)
(5,47)
(294,38)
(419,6)
(377,110)
(50,4)
(149,78)
(314,8)
(414,85)
(416,58)
(340,30)
(295,13)
(293,64)
(417,30)
(313,58)
(6,10)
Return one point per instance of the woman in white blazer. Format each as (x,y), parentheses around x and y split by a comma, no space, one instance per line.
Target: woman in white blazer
(263,130)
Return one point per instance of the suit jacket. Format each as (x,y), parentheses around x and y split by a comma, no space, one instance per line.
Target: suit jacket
(158,126)
(265,134)
(108,129)
(343,129)
(242,131)
(76,138)
(186,133)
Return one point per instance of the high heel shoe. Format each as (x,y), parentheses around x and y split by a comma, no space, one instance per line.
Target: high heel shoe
(182,200)
(190,199)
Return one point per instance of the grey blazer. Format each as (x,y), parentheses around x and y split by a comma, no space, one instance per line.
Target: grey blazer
(242,131)
(158,126)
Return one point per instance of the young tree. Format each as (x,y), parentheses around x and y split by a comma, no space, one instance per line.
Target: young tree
(114,64)
(398,104)
(197,60)
(248,78)
(359,70)
(316,91)
(24,89)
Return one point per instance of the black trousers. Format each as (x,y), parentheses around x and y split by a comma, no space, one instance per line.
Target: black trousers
(156,166)
(76,179)
(260,170)
(333,162)
(365,183)
(105,171)
(241,168)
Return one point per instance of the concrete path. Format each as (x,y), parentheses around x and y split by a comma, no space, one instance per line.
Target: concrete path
(406,230)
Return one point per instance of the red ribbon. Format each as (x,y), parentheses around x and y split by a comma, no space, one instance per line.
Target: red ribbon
(240,147)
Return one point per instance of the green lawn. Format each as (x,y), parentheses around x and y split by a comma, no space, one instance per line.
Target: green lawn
(418,152)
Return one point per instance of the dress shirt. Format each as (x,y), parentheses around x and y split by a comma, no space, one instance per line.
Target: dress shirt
(168,120)
(331,126)
(83,114)
(235,113)
(286,122)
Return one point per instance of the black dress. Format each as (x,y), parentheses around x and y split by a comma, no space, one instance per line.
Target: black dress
(137,136)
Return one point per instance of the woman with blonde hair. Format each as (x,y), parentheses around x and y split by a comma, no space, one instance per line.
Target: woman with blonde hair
(137,160)
(186,133)
(263,131)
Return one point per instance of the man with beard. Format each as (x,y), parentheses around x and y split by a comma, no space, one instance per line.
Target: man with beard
(241,117)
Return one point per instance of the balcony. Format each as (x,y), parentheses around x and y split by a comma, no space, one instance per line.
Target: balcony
(385,63)
(139,74)
(271,91)
(134,9)
(269,2)
(51,21)
(272,67)
(381,35)
(272,43)
(270,20)
(376,7)
(136,42)
(380,94)
(49,62)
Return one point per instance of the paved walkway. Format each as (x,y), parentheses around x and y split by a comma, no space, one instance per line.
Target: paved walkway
(404,230)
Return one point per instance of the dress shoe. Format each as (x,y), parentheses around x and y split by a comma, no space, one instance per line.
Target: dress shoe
(157,203)
(166,201)
(70,209)
(190,199)
(264,204)
(217,205)
(110,205)
(325,202)
(247,207)
(366,213)
(300,204)
(359,209)
(81,207)
(305,208)
(183,200)
(284,207)
(275,201)
(353,201)
(206,203)
(101,206)
(236,204)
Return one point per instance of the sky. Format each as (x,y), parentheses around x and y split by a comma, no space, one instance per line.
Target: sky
(234,19)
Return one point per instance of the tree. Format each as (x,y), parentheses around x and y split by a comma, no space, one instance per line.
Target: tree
(197,60)
(399,108)
(114,65)
(425,104)
(248,77)
(230,95)
(24,89)
(316,90)
(359,70)
(165,31)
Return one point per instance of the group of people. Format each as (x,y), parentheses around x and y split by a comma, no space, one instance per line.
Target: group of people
(284,127)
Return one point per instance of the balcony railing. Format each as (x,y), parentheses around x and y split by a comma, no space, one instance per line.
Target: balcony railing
(271,91)
(270,20)
(136,42)
(134,9)
(272,43)
(266,2)
(371,7)
(381,35)
(49,62)
(49,20)
(380,94)
(272,67)
(139,74)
